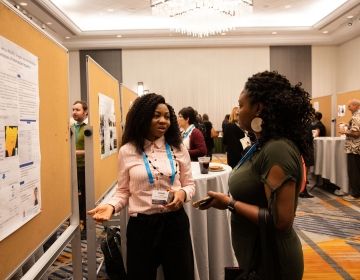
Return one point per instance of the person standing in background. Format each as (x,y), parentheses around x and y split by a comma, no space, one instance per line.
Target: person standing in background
(155,181)
(79,114)
(317,127)
(225,122)
(232,137)
(193,138)
(210,134)
(352,149)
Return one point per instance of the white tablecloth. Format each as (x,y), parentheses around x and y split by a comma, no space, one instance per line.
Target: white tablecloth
(330,161)
(210,229)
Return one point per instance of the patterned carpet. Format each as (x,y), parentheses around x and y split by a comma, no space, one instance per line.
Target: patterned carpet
(328,226)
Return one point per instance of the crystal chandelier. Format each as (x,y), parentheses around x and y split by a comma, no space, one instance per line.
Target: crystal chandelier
(202,17)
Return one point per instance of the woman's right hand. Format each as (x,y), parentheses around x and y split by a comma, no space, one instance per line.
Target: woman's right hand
(101,212)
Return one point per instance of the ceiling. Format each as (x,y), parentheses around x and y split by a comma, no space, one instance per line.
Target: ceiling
(127,24)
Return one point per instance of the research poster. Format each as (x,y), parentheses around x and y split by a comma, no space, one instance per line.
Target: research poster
(108,138)
(20,189)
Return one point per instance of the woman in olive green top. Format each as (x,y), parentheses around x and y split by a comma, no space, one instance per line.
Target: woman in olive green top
(264,186)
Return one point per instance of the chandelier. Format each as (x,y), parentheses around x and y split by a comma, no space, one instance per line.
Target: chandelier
(202,18)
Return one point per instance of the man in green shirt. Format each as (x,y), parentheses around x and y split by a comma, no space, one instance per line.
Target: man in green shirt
(79,114)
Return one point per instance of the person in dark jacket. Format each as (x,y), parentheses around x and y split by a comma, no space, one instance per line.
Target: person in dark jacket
(231,139)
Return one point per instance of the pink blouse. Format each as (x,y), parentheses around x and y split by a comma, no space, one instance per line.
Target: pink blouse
(133,186)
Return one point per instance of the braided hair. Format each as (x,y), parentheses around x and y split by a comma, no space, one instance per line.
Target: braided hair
(287,111)
(138,122)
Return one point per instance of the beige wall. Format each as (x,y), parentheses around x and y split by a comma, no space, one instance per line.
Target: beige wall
(74,78)
(323,70)
(348,62)
(210,79)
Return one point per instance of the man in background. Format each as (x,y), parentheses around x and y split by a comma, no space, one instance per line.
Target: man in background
(352,149)
(79,114)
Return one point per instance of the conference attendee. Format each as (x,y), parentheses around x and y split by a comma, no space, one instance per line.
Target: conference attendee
(317,127)
(232,139)
(264,186)
(352,149)
(210,134)
(193,138)
(225,122)
(79,114)
(155,181)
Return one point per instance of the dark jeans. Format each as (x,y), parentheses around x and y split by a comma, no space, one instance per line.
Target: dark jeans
(81,190)
(159,239)
(353,161)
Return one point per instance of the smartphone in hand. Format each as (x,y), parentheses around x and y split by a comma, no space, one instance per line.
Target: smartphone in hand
(202,202)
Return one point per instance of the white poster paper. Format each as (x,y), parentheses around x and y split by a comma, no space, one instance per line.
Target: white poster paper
(108,138)
(20,192)
(341,110)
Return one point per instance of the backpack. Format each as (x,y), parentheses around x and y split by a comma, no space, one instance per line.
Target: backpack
(111,248)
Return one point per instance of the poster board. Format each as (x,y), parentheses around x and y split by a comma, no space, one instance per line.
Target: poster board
(54,132)
(323,104)
(343,99)
(127,98)
(100,81)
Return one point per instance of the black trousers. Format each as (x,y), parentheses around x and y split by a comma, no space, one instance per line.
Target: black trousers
(353,161)
(160,239)
(81,190)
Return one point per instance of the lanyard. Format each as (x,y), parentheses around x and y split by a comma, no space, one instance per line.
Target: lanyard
(191,127)
(171,160)
(247,156)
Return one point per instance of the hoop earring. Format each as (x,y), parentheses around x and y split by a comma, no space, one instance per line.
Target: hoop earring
(256,124)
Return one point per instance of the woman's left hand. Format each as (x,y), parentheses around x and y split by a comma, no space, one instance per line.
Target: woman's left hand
(220,201)
(177,202)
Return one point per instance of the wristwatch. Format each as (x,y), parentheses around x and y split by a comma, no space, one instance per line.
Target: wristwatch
(231,206)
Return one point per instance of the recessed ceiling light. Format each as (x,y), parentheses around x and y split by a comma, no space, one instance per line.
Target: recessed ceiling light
(274,33)
(110,10)
(119,35)
(325,32)
(287,7)
(23,4)
(49,23)
(67,37)
(350,16)
(223,33)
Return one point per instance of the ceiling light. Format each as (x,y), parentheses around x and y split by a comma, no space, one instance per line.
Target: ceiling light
(274,33)
(67,37)
(349,17)
(287,6)
(119,35)
(349,23)
(49,23)
(325,32)
(202,18)
(23,4)
(110,10)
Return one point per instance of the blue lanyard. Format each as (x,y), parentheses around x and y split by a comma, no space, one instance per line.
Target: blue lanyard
(171,160)
(247,156)
(188,132)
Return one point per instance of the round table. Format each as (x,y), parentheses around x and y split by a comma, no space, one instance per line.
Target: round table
(210,229)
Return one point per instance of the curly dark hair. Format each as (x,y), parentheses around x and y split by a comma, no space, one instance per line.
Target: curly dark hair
(287,111)
(138,122)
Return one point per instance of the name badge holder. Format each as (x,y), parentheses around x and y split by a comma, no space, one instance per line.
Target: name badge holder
(158,196)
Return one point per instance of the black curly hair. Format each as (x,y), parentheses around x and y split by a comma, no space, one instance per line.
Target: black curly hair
(287,111)
(138,122)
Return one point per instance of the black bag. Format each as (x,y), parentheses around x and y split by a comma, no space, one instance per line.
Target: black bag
(111,248)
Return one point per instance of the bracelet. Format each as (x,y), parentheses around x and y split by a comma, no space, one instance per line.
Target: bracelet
(231,206)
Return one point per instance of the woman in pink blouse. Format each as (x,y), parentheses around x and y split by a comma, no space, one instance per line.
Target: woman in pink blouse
(155,181)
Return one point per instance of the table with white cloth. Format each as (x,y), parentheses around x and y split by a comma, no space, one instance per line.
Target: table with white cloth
(209,229)
(331,162)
